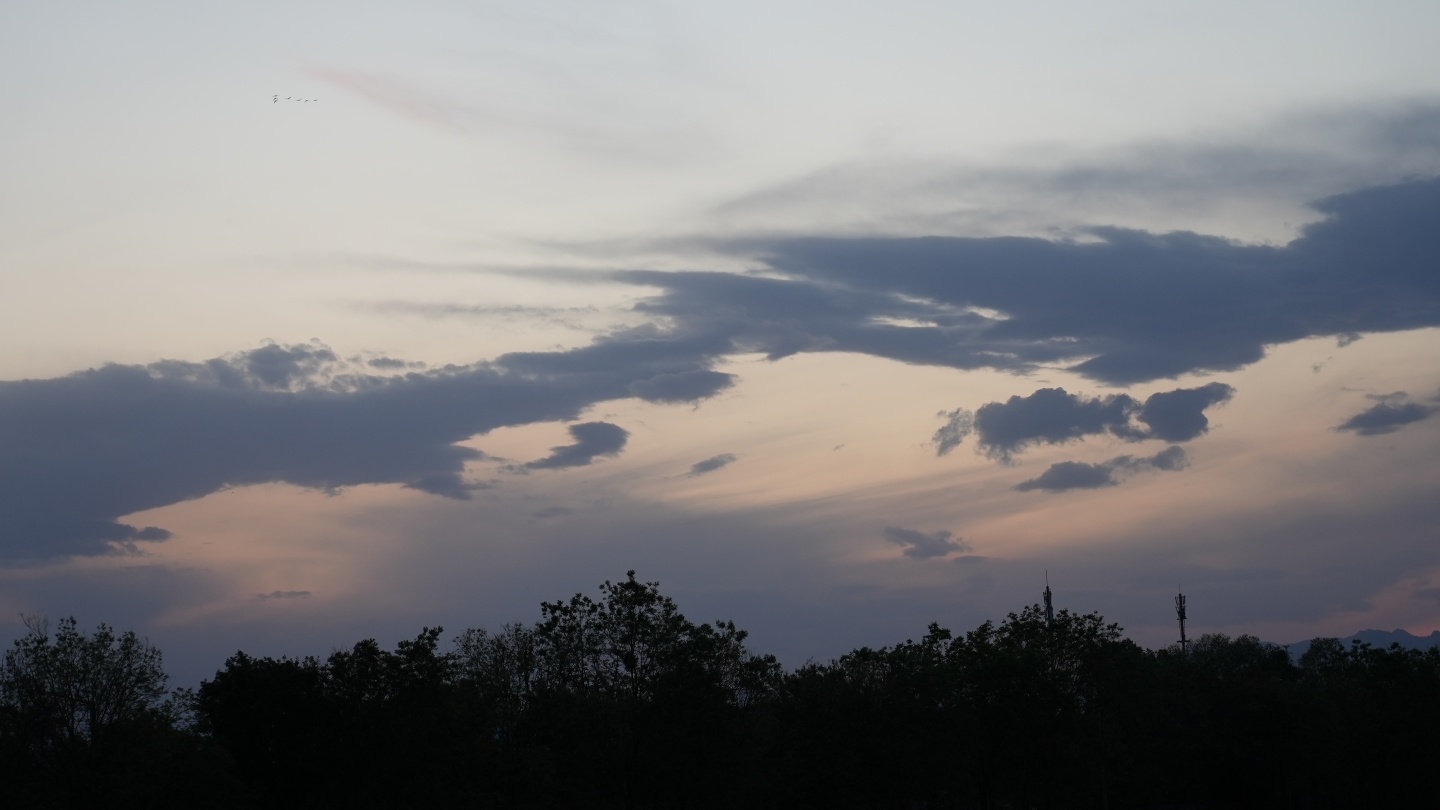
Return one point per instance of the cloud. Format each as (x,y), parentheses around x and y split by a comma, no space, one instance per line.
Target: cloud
(283,595)
(1055,416)
(1249,183)
(712,464)
(1179,415)
(552,511)
(923,545)
(1120,307)
(685,386)
(615,124)
(567,317)
(592,440)
(1389,414)
(284,367)
(271,367)
(779,317)
(1071,475)
(1067,475)
(393,363)
(1050,416)
(82,451)
(1170,459)
(959,423)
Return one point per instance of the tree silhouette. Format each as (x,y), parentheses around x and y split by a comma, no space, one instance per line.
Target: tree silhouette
(617,700)
(642,706)
(88,719)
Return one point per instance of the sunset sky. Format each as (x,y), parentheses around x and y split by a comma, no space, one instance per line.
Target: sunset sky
(328,321)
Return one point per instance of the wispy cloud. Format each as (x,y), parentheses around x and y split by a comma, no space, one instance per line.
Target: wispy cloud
(283,595)
(608,120)
(406,100)
(569,317)
(712,464)
(1252,183)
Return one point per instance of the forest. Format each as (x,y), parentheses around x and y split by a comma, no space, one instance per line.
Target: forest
(620,701)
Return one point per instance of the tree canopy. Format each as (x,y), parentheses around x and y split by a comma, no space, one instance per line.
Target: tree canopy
(619,700)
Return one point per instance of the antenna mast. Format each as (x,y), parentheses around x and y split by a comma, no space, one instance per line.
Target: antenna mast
(1180,615)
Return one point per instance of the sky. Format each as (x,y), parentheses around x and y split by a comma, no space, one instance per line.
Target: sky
(330,321)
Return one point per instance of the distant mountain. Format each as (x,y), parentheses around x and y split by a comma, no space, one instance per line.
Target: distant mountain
(1377,638)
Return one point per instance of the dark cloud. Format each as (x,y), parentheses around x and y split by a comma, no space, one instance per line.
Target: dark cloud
(552,511)
(1055,416)
(284,595)
(1050,416)
(1079,475)
(592,440)
(732,313)
(1390,413)
(922,545)
(1123,307)
(712,464)
(84,450)
(1119,306)
(1179,415)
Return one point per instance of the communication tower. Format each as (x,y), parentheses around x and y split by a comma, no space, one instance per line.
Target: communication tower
(1180,615)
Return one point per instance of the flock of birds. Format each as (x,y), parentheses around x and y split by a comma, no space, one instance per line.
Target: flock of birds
(275,99)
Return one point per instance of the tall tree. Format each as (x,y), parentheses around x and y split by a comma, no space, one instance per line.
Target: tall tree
(640,705)
(90,719)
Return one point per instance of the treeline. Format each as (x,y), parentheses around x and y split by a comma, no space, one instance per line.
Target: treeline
(622,702)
